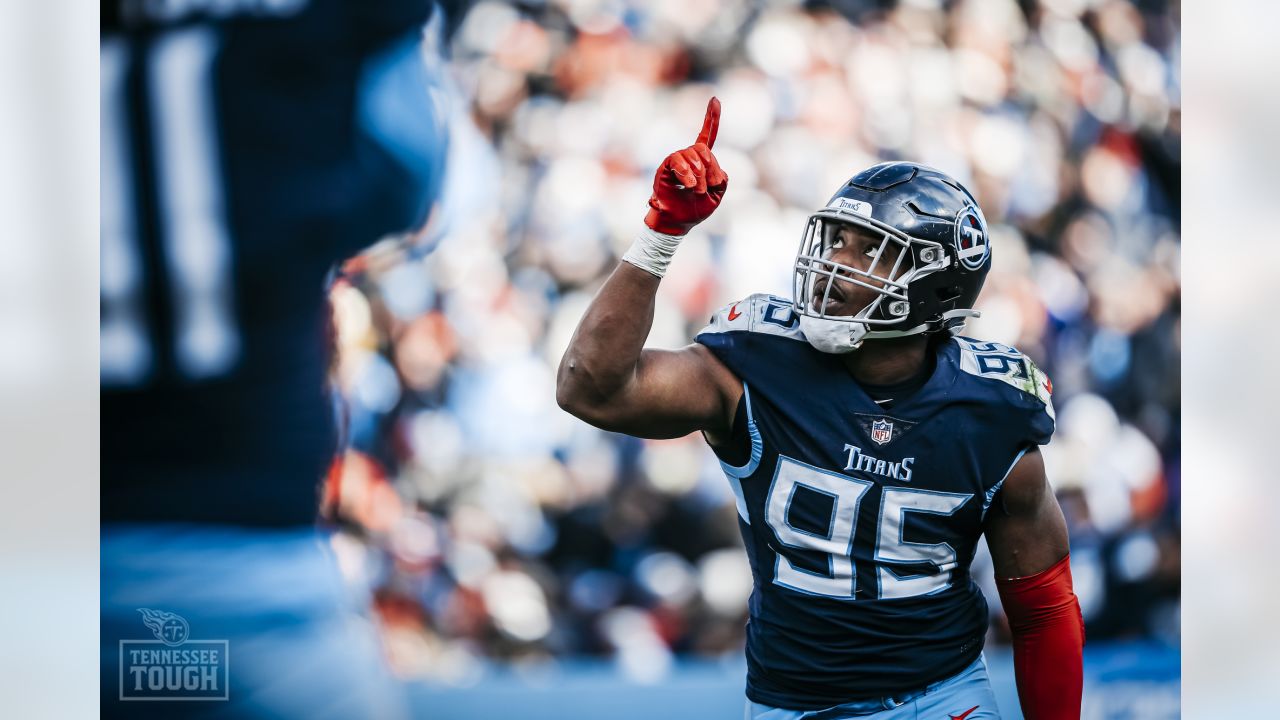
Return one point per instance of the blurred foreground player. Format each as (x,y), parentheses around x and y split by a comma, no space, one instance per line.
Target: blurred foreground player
(246,148)
(868,444)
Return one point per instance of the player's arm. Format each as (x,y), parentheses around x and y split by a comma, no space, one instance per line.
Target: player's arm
(1027,536)
(606,376)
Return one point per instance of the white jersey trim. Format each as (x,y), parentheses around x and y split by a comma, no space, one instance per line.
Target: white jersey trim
(735,473)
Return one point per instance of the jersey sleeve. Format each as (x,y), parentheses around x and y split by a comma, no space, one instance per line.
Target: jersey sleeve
(754,337)
(1002,366)
(742,334)
(735,317)
(727,335)
(1043,420)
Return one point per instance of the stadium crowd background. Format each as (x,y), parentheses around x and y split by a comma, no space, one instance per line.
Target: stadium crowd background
(496,526)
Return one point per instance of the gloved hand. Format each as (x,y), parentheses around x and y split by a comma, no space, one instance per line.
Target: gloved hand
(689,184)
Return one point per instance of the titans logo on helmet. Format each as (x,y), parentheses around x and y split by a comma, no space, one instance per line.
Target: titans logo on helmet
(972,247)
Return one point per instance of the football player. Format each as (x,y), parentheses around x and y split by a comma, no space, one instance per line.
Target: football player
(869,445)
(247,147)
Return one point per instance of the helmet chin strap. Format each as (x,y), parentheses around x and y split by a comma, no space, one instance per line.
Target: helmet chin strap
(844,336)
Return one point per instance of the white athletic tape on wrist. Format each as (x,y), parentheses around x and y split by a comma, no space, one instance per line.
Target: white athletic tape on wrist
(651,251)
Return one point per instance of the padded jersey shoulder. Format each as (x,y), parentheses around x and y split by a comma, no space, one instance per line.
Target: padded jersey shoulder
(759,313)
(996,362)
(1000,375)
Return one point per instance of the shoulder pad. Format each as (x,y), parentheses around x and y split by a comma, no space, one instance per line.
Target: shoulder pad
(759,313)
(1006,364)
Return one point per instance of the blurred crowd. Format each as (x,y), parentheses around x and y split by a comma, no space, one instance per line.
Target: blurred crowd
(495,526)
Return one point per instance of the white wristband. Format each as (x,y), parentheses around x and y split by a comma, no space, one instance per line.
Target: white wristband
(651,251)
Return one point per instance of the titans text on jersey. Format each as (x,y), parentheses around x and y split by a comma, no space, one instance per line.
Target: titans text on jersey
(897,470)
(860,522)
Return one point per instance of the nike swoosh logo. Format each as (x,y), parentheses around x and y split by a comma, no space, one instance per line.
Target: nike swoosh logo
(733,313)
(965,714)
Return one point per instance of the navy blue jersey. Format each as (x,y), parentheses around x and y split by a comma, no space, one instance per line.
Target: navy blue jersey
(246,148)
(860,523)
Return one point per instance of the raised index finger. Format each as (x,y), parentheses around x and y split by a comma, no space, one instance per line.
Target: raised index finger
(710,123)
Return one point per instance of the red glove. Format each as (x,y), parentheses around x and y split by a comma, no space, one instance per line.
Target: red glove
(1048,639)
(689,184)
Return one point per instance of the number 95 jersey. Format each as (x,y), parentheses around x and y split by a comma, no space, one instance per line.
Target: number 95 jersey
(860,522)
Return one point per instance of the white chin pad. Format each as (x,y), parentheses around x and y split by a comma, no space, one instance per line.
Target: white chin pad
(832,336)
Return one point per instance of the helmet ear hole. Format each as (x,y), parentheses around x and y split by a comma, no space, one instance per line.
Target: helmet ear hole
(948,294)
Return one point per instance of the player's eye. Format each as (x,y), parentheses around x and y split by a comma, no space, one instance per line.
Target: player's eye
(870,250)
(837,242)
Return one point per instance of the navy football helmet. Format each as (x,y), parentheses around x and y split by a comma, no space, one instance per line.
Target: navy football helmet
(928,286)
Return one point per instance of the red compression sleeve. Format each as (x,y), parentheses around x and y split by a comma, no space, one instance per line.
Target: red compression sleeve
(1048,640)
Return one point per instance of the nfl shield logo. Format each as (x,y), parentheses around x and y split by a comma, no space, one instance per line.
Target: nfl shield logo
(881,431)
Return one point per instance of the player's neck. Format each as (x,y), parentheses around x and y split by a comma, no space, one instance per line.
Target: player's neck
(888,361)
